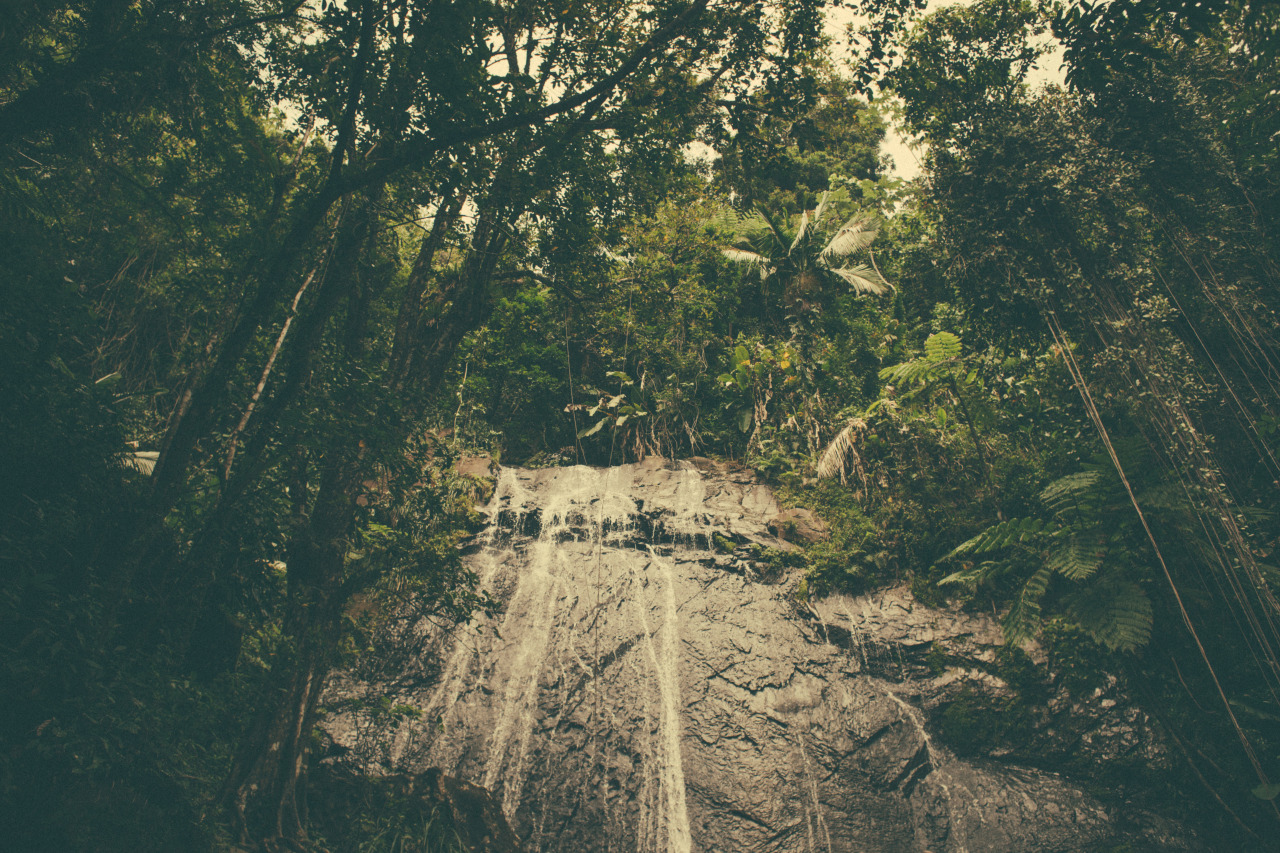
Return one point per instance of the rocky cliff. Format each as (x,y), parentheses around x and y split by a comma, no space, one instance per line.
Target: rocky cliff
(651,683)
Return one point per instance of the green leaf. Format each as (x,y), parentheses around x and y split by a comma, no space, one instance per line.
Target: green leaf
(1079,558)
(942,346)
(1066,492)
(999,536)
(744,420)
(1267,792)
(591,430)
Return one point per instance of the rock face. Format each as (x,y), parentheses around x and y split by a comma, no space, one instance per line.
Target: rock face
(642,691)
(801,526)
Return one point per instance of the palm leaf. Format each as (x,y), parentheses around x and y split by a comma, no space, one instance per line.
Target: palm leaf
(752,260)
(861,278)
(856,235)
(800,232)
(143,461)
(822,205)
(774,229)
(840,449)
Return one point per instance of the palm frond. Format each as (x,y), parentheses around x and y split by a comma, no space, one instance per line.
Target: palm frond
(143,461)
(841,448)
(822,205)
(612,256)
(752,260)
(775,230)
(856,235)
(861,278)
(800,232)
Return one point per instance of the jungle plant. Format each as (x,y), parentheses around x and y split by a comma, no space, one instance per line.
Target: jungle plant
(803,267)
(940,367)
(1081,548)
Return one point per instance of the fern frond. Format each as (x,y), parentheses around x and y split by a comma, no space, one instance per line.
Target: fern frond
(1116,614)
(1066,492)
(1023,620)
(999,536)
(942,346)
(1079,557)
(975,574)
(910,372)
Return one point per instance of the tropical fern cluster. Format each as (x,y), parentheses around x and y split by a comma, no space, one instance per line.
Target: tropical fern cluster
(1078,556)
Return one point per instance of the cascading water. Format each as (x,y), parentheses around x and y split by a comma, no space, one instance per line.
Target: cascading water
(641,691)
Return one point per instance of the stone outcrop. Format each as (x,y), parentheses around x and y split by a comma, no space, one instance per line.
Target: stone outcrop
(642,690)
(801,526)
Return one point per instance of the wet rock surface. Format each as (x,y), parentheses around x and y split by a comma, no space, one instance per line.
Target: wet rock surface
(643,689)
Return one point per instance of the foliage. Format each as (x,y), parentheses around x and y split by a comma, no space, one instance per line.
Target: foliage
(1082,540)
(296,256)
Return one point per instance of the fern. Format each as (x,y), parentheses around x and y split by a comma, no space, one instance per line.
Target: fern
(1079,557)
(999,536)
(942,346)
(1077,535)
(1023,621)
(1115,613)
(941,352)
(1067,492)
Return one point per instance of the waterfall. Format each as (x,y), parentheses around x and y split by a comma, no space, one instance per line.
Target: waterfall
(648,683)
(585,555)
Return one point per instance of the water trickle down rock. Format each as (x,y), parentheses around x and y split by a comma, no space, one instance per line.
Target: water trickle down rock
(636,694)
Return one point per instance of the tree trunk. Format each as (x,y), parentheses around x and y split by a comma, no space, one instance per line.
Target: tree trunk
(266,781)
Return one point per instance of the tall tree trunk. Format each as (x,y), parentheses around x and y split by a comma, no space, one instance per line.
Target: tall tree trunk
(266,780)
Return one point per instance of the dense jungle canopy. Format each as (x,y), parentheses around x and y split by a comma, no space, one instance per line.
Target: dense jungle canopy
(270,266)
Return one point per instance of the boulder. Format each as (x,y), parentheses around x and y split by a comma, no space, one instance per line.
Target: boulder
(800,526)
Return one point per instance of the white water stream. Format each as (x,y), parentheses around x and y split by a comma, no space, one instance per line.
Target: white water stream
(540,644)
